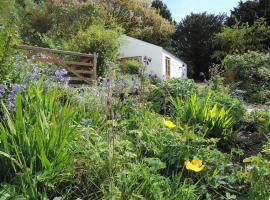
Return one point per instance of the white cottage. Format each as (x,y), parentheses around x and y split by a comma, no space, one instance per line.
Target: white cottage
(164,64)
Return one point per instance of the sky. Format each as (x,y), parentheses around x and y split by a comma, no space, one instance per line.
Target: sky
(181,8)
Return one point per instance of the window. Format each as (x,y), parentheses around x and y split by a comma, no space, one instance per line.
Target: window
(168,67)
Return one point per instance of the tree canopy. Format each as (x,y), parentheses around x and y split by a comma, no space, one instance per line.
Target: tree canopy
(250,11)
(163,9)
(139,20)
(241,38)
(193,40)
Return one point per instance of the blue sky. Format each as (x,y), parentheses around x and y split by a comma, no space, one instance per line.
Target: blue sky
(181,8)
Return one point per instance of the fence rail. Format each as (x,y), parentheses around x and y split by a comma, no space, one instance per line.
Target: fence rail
(81,70)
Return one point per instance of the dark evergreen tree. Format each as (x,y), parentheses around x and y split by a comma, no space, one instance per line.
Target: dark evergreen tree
(250,11)
(193,40)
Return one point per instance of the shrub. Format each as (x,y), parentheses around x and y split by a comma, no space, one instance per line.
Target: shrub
(100,40)
(252,72)
(261,120)
(133,67)
(68,18)
(257,174)
(8,39)
(159,95)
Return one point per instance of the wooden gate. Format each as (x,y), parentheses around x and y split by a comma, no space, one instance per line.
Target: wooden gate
(81,67)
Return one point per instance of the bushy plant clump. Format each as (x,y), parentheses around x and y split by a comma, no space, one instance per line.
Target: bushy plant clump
(35,136)
(161,94)
(210,119)
(8,39)
(162,91)
(223,99)
(261,120)
(253,74)
(132,67)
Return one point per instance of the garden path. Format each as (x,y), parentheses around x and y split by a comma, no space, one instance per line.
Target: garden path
(250,107)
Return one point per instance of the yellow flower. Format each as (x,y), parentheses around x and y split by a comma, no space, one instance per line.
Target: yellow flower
(262,120)
(169,124)
(195,165)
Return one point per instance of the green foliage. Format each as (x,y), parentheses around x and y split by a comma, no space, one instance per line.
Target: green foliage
(241,38)
(160,93)
(133,67)
(249,11)
(62,143)
(8,10)
(193,40)
(139,20)
(163,9)
(72,26)
(36,138)
(9,37)
(257,174)
(57,155)
(70,17)
(100,40)
(210,121)
(253,72)
(236,107)
(67,19)
(261,120)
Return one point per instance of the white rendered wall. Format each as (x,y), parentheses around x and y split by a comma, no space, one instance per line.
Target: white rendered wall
(178,67)
(131,47)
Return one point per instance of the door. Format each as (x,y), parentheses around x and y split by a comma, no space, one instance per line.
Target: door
(168,67)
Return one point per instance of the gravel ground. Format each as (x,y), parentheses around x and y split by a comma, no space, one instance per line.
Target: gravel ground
(251,107)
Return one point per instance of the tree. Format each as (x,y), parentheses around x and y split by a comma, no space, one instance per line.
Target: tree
(56,19)
(139,20)
(241,38)
(250,11)
(244,12)
(163,9)
(193,40)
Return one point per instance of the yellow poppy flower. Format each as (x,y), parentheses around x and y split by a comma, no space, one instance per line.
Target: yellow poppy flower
(262,120)
(169,124)
(195,165)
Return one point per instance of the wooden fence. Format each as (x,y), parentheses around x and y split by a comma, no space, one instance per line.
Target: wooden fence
(81,67)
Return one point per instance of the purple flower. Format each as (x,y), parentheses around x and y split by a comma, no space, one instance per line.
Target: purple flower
(3,87)
(17,87)
(10,105)
(66,80)
(46,86)
(107,82)
(60,73)
(118,87)
(13,93)
(86,121)
(33,73)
